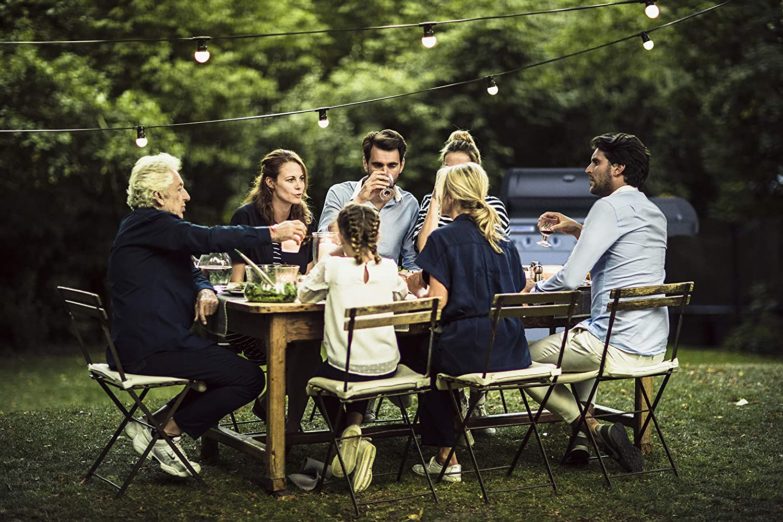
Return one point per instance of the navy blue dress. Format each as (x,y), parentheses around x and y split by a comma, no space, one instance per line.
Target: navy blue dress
(461,258)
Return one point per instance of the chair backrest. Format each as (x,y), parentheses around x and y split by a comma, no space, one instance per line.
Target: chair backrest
(87,308)
(672,295)
(557,305)
(400,313)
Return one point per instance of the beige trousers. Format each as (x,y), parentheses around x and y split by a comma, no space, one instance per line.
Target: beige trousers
(583,353)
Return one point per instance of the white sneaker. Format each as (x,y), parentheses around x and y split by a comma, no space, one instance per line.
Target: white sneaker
(133,428)
(349,445)
(481,411)
(453,472)
(362,473)
(162,452)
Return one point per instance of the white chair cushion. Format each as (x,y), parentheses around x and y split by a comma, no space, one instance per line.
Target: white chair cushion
(404,379)
(132,380)
(570,377)
(534,372)
(643,371)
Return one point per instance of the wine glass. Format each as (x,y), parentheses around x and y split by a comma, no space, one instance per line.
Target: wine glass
(387,192)
(545,227)
(217,267)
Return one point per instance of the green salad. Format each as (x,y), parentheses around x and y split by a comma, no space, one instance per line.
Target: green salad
(258,293)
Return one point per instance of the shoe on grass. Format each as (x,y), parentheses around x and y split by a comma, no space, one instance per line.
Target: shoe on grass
(133,428)
(453,472)
(349,445)
(614,441)
(580,453)
(362,473)
(481,411)
(162,452)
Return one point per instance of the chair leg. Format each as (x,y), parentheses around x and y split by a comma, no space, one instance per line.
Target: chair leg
(463,427)
(651,415)
(503,400)
(412,437)
(534,426)
(335,443)
(234,421)
(582,422)
(526,438)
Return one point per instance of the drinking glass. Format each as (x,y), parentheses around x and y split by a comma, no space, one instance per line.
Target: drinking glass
(387,193)
(545,227)
(216,266)
(324,244)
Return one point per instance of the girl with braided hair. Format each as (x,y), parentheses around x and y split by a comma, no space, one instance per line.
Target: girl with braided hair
(358,277)
(466,263)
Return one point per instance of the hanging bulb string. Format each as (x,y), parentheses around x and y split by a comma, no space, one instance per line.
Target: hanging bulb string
(482,79)
(321,31)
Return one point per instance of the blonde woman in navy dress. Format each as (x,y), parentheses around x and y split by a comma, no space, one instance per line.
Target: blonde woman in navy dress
(466,263)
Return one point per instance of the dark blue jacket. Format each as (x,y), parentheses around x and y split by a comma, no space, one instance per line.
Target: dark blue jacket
(153,282)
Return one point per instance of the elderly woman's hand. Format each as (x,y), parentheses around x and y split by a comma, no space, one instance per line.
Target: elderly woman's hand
(206,305)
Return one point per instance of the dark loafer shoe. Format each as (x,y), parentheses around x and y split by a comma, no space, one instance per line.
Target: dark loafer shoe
(614,441)
(580,453)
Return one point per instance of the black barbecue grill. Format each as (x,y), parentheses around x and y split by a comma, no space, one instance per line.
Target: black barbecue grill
(528,192)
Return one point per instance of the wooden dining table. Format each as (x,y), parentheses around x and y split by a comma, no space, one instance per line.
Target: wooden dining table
(279,324)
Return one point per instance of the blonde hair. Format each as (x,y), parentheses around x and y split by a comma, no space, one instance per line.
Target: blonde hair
(151,174)
(467,185)
(461,141)
(261,195)
(359,226)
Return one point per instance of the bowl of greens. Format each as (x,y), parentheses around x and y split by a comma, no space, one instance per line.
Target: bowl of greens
(276,285)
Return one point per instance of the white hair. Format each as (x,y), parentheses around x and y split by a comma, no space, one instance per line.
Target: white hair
(151,174)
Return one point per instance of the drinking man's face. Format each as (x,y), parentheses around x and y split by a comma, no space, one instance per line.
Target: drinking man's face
(386,161)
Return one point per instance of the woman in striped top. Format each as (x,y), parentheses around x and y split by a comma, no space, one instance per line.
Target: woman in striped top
(459,148)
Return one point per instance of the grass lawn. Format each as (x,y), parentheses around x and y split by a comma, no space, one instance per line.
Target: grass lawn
(53,420)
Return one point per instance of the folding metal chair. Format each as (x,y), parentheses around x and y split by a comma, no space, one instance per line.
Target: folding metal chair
(88,314)
(558,305)
(673,295)
(404,382)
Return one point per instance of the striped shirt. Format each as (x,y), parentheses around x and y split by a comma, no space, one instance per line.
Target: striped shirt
(492,201)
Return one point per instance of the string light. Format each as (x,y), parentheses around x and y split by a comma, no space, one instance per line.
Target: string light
(650,9)
(141,139)
(322,112)
(492,86)
(202,53)
(428,39)
(323,119)
(647,42)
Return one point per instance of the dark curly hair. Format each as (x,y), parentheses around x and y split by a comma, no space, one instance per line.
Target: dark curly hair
(628,150)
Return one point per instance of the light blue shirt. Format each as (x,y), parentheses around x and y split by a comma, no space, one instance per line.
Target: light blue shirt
(623,243)
(398,219)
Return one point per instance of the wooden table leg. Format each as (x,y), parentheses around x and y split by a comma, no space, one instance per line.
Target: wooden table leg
(276,342)
(643,440)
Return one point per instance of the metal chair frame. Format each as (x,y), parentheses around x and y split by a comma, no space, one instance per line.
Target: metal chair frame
(521,306)
(80,306)
(420,311)
(673,295)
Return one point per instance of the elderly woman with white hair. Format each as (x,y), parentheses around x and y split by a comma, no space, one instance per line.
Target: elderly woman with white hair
(155,293)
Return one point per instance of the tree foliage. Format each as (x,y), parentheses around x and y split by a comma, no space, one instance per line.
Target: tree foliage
(706,100)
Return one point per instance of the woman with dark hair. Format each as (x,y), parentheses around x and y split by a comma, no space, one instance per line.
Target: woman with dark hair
(279,192)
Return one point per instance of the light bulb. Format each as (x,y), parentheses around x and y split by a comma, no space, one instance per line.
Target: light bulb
(429,40)
(323,119)
(141,139)
(647,42)
(492,86)
(202,54)
(651,10)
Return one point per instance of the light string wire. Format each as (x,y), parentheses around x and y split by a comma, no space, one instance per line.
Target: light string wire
(388,97)
(322,31)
